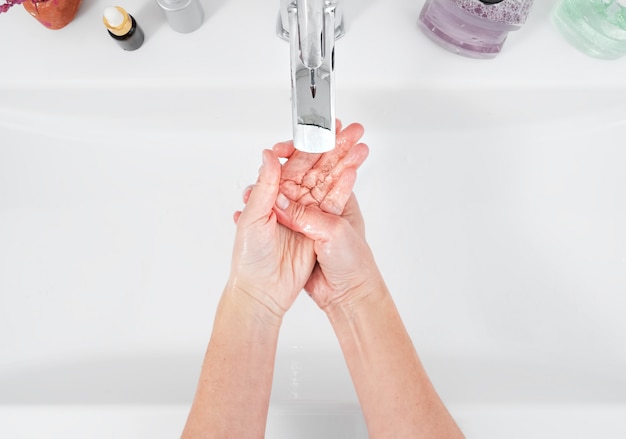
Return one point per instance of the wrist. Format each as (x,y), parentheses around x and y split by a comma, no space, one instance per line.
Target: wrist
(370,293)
(251,307)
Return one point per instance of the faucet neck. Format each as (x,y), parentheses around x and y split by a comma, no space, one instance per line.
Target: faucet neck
(311,32)
(311,29)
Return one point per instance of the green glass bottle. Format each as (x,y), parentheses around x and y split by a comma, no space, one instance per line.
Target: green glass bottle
(597,27)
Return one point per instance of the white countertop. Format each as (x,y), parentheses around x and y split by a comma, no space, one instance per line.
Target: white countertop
(237,47)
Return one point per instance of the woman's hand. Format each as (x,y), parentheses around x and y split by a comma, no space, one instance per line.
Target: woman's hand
(346,269)
(323,180)
(270,263)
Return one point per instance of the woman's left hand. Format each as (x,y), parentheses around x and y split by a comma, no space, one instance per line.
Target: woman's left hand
(270,263)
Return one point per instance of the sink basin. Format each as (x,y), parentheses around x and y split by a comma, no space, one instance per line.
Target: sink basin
(493,197)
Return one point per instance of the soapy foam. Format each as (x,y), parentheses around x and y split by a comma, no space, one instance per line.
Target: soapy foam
(508,11)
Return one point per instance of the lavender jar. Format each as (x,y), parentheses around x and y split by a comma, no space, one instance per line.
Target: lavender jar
(473,28)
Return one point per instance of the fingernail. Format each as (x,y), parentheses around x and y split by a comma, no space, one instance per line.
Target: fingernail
(282,202)
(246,193)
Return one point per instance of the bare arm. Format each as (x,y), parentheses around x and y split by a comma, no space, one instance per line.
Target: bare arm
(234,387)
(232,396)
(396,395)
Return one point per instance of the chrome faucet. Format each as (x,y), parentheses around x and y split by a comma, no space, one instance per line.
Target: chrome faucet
(311,27)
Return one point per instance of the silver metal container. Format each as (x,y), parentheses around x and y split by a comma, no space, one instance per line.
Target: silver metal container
(182,15)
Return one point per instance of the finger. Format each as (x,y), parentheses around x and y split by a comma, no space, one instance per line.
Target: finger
(310,170)
(263,196)
(246,193)
(356,156)
(352,213)
(298,165)
(338,125)
(337,197)
(311,222)
(236,216)
(295,192)
(345,141)
(321,181)
(284,149)
(353,159)
(349,136)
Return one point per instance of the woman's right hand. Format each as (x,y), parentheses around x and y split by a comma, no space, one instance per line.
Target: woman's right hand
(347,285)
(345,269)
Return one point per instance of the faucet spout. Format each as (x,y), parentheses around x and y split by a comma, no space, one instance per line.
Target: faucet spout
(311,28)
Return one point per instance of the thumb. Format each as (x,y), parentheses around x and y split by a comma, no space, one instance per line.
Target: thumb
(308,220)
(263,194)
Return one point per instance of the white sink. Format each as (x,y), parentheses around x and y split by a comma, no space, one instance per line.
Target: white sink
(494,198)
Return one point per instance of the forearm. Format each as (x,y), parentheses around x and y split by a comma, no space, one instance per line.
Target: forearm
(233,392)
(396,395)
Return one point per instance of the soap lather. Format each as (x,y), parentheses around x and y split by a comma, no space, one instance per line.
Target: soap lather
(183,16)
